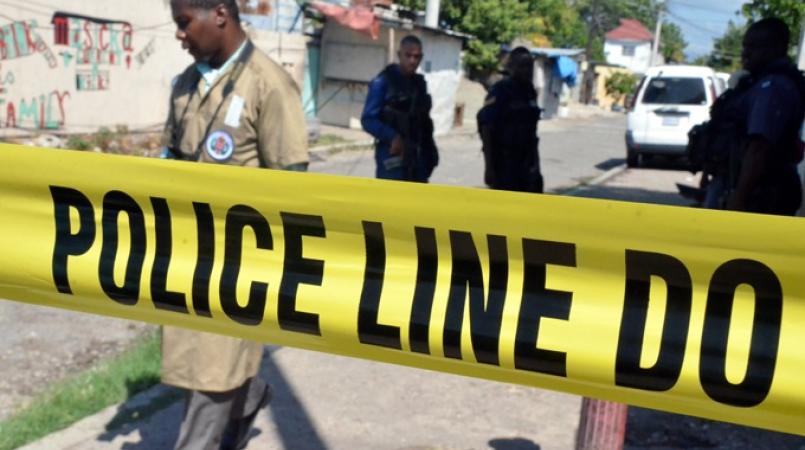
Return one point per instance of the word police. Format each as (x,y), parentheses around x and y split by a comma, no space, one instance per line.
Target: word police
(467,290)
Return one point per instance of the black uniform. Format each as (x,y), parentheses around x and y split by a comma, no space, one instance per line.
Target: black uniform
(508,120)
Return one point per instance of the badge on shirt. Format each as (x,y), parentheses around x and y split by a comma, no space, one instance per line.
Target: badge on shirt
(234,112)
(220,145)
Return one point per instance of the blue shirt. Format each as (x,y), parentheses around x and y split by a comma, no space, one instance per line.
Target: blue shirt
(370,119)
(771,107)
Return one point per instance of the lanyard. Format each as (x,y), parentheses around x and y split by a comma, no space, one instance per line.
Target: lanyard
(229,87)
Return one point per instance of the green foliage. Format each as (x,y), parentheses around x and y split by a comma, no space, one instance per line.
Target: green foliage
(103,137)
(790,11)
(110,383)
(726,54)
(558,22)
(619,85)
(672,44)
(77,142)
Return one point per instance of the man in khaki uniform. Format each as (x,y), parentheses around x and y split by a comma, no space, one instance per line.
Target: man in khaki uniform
(233,106)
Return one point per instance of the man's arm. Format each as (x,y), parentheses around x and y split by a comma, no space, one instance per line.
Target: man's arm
(370,118)
(487,119)
(281,129)
(754,164)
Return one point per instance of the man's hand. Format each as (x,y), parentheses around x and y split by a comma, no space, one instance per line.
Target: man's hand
(397,146)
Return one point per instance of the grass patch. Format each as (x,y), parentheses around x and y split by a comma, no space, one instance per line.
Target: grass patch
(112,382)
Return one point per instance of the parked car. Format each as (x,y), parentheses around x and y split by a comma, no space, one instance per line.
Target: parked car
(668,102)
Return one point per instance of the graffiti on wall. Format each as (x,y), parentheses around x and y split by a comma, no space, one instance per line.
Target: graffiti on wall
(90,47)
(95,41)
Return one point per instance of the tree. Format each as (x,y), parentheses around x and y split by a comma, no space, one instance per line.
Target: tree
(726,54)
(492,23)
(672,44)
(790,11)
(558,22)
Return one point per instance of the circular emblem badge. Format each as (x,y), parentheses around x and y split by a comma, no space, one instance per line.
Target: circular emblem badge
(220,145)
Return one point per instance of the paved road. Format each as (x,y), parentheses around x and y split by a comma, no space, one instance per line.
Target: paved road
(572,151)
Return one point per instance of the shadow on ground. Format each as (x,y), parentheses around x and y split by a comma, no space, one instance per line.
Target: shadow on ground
(610,164)
(630,194)
(650,429)
(513,444)
(294,425)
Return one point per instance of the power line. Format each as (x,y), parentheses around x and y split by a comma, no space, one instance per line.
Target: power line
(702,8)
(695,26)
(50,10)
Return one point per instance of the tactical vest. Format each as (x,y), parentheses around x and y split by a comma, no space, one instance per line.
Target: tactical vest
(407,103)
(406,109)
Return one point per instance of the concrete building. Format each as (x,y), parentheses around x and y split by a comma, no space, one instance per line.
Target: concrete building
(629,45)
(96,63)
(556,72)
(351,58)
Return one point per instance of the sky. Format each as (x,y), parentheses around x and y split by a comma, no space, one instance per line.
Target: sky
(702,21)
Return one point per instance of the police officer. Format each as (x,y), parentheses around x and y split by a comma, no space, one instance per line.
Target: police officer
(768,113)
(508,127)
(397,115)
(233,106)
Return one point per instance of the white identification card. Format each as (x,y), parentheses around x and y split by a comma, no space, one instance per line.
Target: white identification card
(235,110)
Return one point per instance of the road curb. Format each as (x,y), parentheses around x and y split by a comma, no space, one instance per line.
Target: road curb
(340,146)
(324,149)
(600,179)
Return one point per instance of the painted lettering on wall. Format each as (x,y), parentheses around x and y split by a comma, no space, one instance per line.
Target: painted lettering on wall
(6,80)
(92,80)
(146,52)
(96,41)
(91,48)
(17,40)
(45,111)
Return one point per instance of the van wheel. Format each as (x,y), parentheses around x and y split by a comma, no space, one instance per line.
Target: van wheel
(632,159)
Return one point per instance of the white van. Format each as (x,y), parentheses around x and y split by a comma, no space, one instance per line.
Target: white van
(669,101)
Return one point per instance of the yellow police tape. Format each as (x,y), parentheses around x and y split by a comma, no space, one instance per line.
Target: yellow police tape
(685,310)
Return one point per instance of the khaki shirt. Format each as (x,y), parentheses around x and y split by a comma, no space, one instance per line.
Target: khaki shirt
(250,116)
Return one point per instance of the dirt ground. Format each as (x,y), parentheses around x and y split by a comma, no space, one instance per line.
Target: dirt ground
(42,345)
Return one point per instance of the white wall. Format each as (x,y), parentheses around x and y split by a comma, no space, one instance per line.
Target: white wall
(639,63)
(93,74)
(351,59)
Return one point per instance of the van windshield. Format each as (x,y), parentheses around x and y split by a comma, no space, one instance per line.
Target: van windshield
(675,91)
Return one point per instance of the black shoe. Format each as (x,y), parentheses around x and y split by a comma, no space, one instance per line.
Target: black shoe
(237,432)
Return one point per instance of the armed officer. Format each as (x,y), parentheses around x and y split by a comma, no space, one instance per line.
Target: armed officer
(397,115)
(765,113)
(508,127)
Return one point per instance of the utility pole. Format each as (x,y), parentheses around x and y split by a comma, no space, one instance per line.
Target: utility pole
(655,46)
(802,45)
(589,74)
(432,14)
